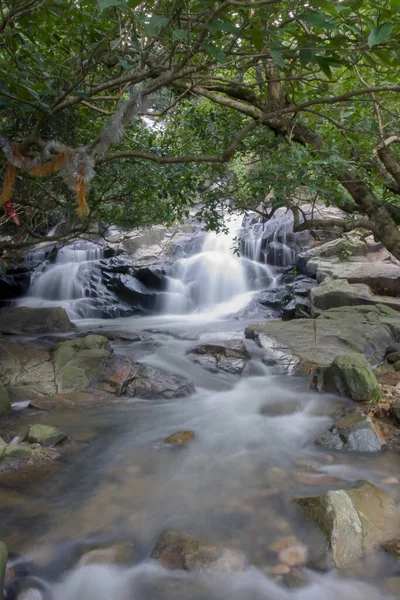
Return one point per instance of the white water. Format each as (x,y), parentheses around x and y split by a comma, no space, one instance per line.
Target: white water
(216,281)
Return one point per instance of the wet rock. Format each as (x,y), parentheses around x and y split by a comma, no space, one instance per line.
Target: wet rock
(276,298)
(14,282)
(152,277)
(350,375)
(339,292)
(396,366)
(3,565)
(393,357)
(230,356)
(298,308)
(395,410)
(354,432)
(131,291)
(283,408)
(300,345)
(392,547)
(16,457)
(5,402)
(393,348)
(23,320)
(120,553)
(303,286)
(355,519)
(45,435)
(181,438)
(148,382)
(178,551)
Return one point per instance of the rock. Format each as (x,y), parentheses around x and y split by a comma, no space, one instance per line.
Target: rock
(177,551)
(392,547)
(181,438)
(5,402)
(354,432)
(393,357)
(395,410)
(23,320)
(14,282)
(293,555)
(152,277)
(16,457)
(297,308)
(150,383)
(397,366)
(120,553)
(332,294)
(282,569)
(355,519)
(230,356)
(131,291)
(393,348)
(298,346)
(350,375)
(3,565)
(275,298)
(45,435)
(303,286)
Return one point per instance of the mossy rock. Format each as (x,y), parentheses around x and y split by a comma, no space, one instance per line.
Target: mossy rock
(351,375)
(45,435)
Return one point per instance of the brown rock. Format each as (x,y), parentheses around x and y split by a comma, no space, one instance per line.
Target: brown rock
(177,551)
(116,554)
(283,542)
(280,570)
(180,438)
(294,555)
(393,548)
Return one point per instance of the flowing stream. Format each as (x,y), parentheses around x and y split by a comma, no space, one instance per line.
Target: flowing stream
(233,484)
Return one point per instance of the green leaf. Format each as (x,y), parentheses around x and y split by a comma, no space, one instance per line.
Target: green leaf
(306,56)
(380,34)
(257,37)
(214,52)
(324,65)
(125,65)
(83,95)
(395,3)
(226,26)
(180,35)
(277,58)
(103,4)
(155,24)
(317,19)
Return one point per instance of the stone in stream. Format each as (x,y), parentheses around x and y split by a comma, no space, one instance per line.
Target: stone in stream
(349,375)
(180,551)
(355,519)
(228,355)
(301,345)
(181,438)
(45,435)
(395,410)
(22,320)
(393,357)
(118,553)
(393,548)
(355,432)
(5,402)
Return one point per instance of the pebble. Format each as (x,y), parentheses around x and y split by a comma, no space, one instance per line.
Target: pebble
(294,555)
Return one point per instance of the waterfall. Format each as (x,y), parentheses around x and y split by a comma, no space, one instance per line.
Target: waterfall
(74,282)
(214,276)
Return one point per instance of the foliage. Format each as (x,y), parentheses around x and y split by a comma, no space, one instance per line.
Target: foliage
(248,100)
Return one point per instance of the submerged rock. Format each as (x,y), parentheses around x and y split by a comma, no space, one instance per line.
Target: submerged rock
(355,519)
(181,438)
(178,551)
(355,432)
(119,553)
(350,375)
(230,356)
(23,320)
(45,435)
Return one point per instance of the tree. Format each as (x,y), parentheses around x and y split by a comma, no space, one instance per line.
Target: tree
(305,89)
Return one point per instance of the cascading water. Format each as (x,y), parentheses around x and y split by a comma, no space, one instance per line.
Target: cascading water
(73,281)
(214,276)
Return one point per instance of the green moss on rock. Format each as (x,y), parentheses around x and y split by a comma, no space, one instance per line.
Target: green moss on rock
(351,375)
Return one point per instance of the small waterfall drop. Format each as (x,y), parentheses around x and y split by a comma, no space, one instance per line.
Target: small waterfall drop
(215,276)
(73,281)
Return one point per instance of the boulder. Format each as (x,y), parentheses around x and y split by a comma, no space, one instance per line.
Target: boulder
(131,291)
(297,308)
(178,551)
(349,375)
(45,435)
(395,410)
(22,320)
(339,292)
(229,355)
(354,432)
(298,346)
(355,519)
(181,438)
(14,457)
(14,282)
(5,402)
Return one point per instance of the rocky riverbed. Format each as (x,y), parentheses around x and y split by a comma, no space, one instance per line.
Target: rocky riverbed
(174,457)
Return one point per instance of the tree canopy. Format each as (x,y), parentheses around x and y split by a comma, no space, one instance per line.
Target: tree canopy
(245,99)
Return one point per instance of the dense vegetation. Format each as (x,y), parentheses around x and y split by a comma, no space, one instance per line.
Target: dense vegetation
(245,98)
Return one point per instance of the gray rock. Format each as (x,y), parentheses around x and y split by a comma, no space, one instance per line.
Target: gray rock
(303,286)
(349,375)
(339,292)
(178,551)
(355,519)
(302,344)
(230,356)
(23,320)
(393,357)
(3,565)
(298,308)
(5,402)
(393,348)
(45,435)
(355,432)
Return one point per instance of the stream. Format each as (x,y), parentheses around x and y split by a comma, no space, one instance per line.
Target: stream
(253,452)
